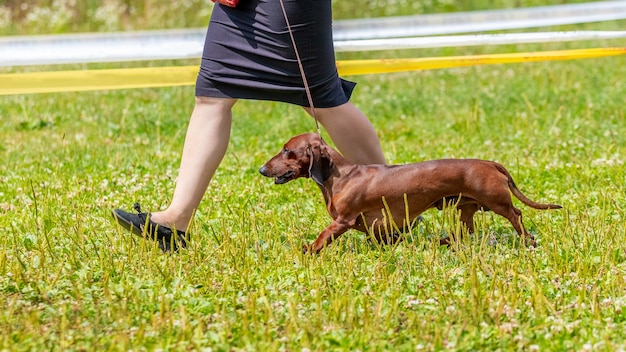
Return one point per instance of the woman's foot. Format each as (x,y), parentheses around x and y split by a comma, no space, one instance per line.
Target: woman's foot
(141,225)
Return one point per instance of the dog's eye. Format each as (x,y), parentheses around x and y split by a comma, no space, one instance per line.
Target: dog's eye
(288,153)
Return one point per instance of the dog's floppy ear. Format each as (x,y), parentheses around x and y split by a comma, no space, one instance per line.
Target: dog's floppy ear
(320,163)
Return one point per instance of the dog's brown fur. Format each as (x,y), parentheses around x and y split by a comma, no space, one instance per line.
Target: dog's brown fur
(373,197)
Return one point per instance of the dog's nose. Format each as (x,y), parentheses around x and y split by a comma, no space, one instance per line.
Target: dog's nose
(263,170)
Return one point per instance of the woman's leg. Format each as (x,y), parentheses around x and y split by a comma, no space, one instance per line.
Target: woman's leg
(352,133)
(206,142)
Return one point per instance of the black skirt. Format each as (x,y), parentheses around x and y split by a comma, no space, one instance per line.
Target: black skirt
(248,54)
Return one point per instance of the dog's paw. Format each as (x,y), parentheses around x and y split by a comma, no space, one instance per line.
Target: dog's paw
(446,241)
(529,240)
(309,249)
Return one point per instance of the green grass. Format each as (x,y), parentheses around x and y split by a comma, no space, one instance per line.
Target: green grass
(72,280)
(59,16)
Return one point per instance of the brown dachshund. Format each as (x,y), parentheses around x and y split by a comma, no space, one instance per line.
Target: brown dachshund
(373,198)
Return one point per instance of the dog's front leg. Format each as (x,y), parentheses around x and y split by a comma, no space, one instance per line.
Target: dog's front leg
(327,236)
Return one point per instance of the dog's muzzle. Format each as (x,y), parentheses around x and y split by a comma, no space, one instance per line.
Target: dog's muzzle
(280,179)
(284,178)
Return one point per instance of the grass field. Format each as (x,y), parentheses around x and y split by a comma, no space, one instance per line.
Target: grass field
(72,280)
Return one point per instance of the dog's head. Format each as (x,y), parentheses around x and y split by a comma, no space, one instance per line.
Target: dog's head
(304,155)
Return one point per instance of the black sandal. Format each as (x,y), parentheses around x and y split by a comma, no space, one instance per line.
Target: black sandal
(141,225)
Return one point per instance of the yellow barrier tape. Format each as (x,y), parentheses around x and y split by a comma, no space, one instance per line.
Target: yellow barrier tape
(152,77)
(85,80)
(361,67)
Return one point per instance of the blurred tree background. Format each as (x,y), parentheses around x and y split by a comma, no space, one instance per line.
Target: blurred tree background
(66,16)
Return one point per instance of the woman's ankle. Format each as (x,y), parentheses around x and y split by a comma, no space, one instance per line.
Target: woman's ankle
(179,223)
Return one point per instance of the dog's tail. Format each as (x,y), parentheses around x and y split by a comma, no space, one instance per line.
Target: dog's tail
(516,192)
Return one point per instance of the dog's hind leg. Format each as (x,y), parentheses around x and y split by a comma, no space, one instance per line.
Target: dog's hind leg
(466,217)
(514,216)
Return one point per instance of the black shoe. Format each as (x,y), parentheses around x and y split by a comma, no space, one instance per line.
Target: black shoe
(141,225)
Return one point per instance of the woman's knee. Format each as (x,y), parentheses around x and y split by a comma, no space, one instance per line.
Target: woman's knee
(212,101)
(322,114)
